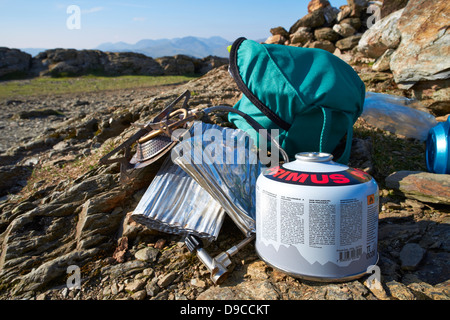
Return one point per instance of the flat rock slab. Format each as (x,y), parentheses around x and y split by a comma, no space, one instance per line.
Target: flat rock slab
(422,186)
(423,51)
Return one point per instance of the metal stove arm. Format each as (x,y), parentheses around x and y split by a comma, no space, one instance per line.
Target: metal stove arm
(216,266)
(125,145)
(143,131)
(224,258)
(167,110)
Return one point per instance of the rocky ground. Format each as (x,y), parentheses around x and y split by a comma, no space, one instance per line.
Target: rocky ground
(68,210)
(59,208)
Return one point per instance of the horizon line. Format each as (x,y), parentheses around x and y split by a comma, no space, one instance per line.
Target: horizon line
(121,41)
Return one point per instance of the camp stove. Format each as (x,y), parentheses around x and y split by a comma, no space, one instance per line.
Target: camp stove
(204,185)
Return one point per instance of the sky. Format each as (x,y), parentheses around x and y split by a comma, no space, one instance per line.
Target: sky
(89,23)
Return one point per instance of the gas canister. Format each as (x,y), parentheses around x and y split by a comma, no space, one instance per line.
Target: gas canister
(438,148)
(317,219)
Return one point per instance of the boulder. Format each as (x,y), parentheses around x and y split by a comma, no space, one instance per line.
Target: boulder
(147,254)
(279,31)
(383,35)
(344,13)
(423,52)
(383,62)
(357,7)
(276,39)
(330,14)
(322,44)
(422,186)
(353,21)
(391,6)
(314,5)
(314,19)
(326,34)
(13,62)
(434,94)
(344,29)
(71,62)
(63,68)
(301,36)
(179,64)
(130,63)
(202,66)
(348,43)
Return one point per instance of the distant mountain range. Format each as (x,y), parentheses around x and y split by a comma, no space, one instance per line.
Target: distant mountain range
(192,46)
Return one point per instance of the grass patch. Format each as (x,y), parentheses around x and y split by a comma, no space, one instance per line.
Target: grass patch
(392,153)
(90,83)
(46,175)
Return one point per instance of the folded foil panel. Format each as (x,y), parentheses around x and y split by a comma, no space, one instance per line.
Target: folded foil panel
(175,203)
(224,162)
